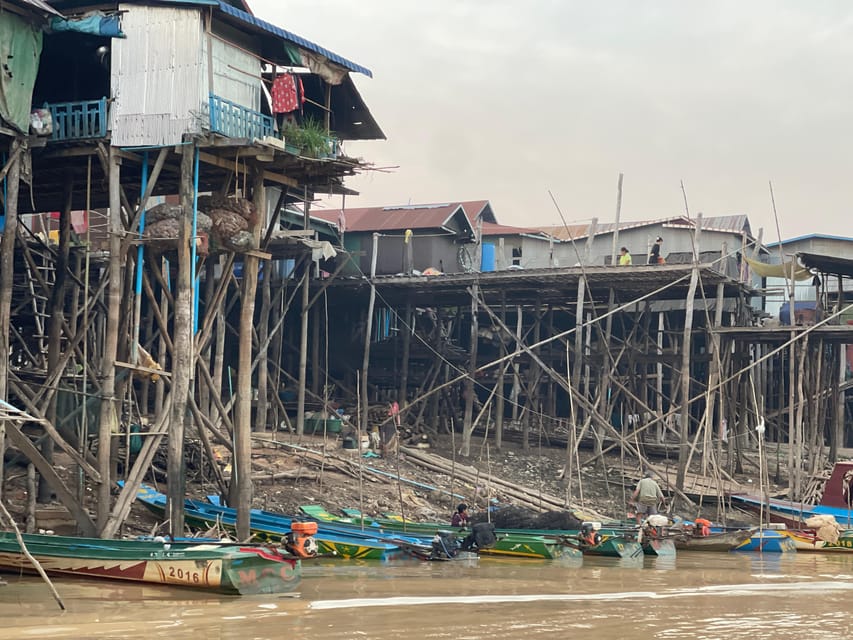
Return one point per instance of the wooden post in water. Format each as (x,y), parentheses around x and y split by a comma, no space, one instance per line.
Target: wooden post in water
(182,360)
(109,409)
(243,415)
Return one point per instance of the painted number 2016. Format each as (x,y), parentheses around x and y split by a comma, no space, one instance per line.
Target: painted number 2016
(188,576)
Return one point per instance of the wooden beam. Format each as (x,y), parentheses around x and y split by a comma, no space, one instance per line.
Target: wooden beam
(224,163)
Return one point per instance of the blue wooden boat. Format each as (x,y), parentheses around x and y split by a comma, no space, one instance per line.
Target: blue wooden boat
(836,501)
(768,541)
(275,528)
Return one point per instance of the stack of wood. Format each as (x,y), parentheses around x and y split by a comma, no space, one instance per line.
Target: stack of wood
(532,499)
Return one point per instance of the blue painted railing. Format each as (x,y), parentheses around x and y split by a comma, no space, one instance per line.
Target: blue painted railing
(236,121)
(79,120)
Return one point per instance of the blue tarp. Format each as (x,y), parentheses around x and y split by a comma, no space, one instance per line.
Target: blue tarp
(96,23)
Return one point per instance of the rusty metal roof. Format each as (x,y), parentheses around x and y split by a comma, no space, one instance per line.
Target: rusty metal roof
(492,229)
(399,218)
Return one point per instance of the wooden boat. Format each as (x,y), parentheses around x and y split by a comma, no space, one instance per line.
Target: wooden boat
(721,541)
(662,547)
(275,527)
(837,501)
(767,541)
(807,540)
(221,568)
(510,542)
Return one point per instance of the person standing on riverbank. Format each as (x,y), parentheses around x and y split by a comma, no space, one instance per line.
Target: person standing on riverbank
(646,497)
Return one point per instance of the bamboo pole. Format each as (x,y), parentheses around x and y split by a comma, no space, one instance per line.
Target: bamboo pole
(368,330)
(30,557)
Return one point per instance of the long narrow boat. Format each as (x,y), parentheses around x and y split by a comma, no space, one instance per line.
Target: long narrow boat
(510,542)
(767,541)
(267,526)
(807,540)
(836,501)
(228,569)
(721,541)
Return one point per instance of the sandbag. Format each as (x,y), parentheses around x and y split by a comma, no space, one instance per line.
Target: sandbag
(825,526)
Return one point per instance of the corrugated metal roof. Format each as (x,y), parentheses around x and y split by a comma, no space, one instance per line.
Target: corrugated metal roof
(724,224)
(827,264)
(492,229)
(474,208)
(810,236)
(40,5)
(263,25)
(400,218)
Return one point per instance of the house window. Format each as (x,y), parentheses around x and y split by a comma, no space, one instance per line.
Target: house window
(516,256)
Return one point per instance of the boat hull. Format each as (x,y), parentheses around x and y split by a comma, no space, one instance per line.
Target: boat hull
(719,542)
(768,541)
(229,569)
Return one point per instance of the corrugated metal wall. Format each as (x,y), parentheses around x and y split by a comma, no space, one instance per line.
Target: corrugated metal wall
(157,76)
(236,74)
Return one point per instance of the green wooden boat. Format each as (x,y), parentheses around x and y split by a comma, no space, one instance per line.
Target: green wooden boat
(222,568)
(518,544)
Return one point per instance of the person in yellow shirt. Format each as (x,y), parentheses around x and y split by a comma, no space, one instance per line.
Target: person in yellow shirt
(624,257)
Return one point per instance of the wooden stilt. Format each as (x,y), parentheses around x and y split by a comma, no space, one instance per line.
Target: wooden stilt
(109,409)
(686,349)
(243,415)
(407,330)
(57,319)
(499,383)
(467,425)
(182,352)
(7,279)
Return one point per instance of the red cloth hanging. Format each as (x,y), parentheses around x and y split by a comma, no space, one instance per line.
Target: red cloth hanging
(285,94)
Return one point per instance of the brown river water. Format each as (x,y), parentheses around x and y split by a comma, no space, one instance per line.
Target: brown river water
(696,595)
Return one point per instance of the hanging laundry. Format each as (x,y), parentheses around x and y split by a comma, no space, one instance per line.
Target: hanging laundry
(286,93)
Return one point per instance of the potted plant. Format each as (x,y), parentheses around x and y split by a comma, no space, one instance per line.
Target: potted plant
(310,139)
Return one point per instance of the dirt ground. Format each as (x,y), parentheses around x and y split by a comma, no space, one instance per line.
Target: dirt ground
(426,495)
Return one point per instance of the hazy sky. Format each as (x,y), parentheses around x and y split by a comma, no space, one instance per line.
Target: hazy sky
(505,100)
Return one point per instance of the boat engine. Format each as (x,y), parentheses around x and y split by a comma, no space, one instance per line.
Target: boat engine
(444,545)
(589,533)
(300,541)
